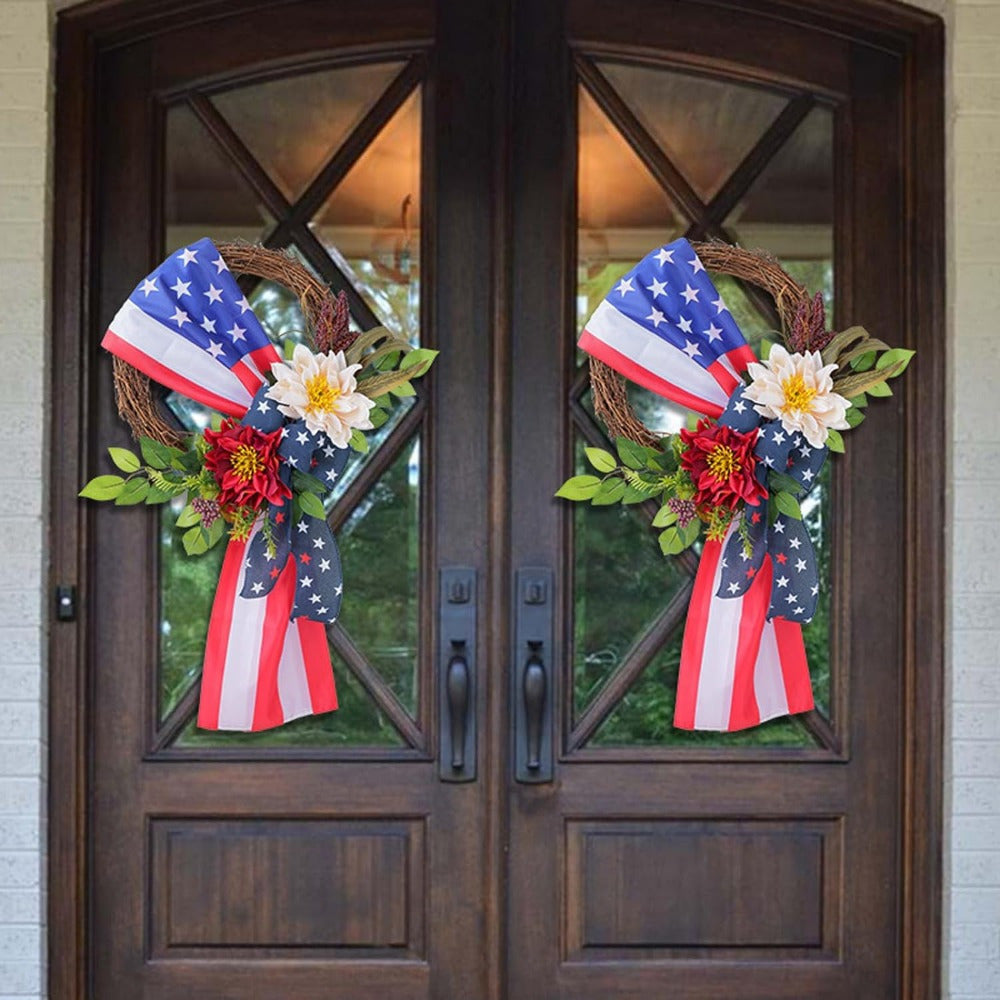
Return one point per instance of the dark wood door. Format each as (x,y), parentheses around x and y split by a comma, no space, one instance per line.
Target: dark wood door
(325,858)
(477,175)
(657,862)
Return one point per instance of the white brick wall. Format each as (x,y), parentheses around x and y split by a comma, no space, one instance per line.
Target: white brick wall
(972,907)
(24,130)
(973,862)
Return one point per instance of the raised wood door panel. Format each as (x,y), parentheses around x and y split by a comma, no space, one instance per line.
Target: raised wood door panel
(764,864)
(325,859)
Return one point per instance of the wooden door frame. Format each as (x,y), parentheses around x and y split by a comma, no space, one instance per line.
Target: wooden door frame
(916,38)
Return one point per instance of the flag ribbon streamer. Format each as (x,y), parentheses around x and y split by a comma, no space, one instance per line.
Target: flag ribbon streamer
(666,327)
(189,326)
(795,584)
(306,542)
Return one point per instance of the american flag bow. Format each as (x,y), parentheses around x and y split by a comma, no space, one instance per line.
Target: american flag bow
(743,661)
(189,327)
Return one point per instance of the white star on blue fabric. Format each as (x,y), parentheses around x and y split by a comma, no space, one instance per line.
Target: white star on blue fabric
(214,349)
(187,255)
(624,286)
(220,265)
(208,325)
(237,332)
(713,333)
(690,294)
(691,350)
(657,288)
(180,288)
(180,317)
(656,317)
(148,285)
(664,256)
(684,324)
(720,306)
(696,265)
(263,406)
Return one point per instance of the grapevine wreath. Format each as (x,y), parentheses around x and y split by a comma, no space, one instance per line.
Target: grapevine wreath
(734,478)
(258,475)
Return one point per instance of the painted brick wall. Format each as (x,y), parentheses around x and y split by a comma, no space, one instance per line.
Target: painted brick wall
(974,856)
(972,905)
(24,139)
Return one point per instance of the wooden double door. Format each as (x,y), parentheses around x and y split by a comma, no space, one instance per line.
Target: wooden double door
(476,176)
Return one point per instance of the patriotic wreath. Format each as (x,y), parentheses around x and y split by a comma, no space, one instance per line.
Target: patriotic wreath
(282,434)
(735,476)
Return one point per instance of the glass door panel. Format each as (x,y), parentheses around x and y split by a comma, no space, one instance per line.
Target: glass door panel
(628,615)
(301,132)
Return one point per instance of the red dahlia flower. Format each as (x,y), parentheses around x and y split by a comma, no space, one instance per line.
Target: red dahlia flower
(721,464)
(245,464)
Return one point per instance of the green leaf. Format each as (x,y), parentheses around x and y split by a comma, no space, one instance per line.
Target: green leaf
(675,540)
(403,390)
(896,356)
(632,495)
(187,518)
(312,505)
(134,491)
(601,460)
(358,441)
(156,495)
(631,454)
(864,361)
(859,402)
(195,541)
(691,421)
(579,488)
(377,416)
(216,532)
(691,532)
(834,441)
(305,481)
(420,359)
(782,482)
(788,505)
(187,461)
(854,417)
(159,456)
(215,421)
(765,349)
(124,459)
(664,517)
(880,389)
(610,491)
(103,488)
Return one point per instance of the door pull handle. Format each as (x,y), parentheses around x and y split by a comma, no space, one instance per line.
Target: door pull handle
(457,684)
(456,674)
(534,685)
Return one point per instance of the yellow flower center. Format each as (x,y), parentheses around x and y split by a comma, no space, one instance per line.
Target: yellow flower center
(798,395)
(245,463)
(321,394)
(721,462)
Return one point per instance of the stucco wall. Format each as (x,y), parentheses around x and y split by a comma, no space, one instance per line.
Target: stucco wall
(972,909)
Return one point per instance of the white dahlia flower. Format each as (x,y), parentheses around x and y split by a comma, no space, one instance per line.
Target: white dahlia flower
(797,390)
(322,390)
